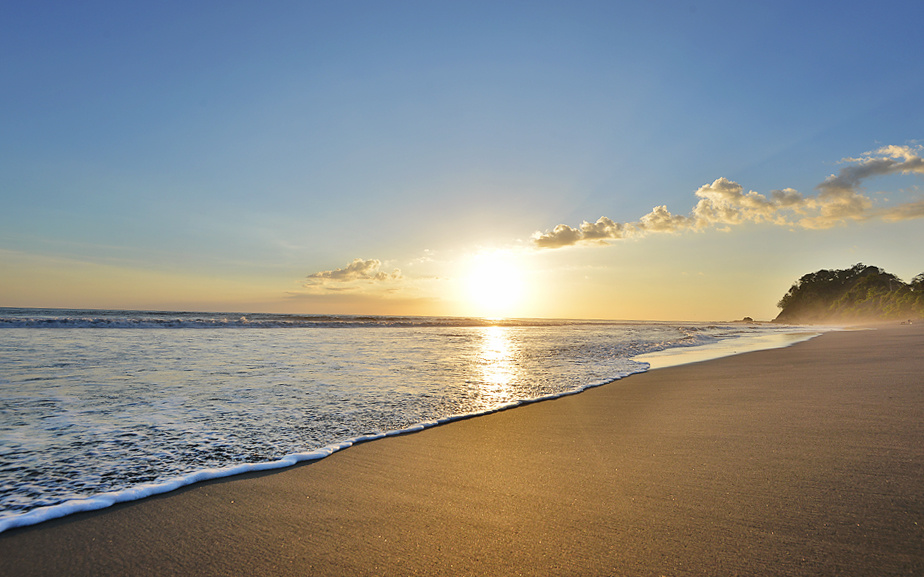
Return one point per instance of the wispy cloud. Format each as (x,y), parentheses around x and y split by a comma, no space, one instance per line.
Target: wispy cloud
(724,203)
(906,211)
(356,273)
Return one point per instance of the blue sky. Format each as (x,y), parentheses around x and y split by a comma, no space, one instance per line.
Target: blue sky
(217,155)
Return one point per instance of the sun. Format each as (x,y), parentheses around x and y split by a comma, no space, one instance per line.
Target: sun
(494,285)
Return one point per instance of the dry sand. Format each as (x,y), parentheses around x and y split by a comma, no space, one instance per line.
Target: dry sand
(807,460)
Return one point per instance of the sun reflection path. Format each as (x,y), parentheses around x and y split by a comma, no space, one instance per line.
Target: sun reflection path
(499,369)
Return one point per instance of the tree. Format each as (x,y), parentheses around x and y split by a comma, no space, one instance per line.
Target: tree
(858,293)
(917,283)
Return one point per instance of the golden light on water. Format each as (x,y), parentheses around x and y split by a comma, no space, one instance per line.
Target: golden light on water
(497,362)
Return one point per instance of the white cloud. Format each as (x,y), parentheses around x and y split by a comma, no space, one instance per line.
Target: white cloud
(661,220)
(564,235)
(724,203)
(359,270)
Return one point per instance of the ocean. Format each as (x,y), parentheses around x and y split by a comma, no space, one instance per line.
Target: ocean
(104,406)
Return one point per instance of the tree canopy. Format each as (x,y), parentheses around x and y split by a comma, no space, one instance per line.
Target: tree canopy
(858,293)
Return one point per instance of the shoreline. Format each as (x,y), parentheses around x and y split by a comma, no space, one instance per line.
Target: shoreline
(676,356)
(655,472)
(672,356)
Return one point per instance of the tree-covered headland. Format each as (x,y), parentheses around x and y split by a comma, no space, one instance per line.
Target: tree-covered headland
(859,293)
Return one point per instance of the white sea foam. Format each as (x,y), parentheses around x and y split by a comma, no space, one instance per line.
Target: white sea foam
(144,490)
(102,407)
(141,491)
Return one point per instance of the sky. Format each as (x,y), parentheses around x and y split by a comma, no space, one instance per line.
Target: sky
(612,160)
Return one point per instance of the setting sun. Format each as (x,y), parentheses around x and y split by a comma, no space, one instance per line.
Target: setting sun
(494,285)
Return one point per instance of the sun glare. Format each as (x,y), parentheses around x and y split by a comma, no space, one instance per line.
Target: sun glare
(494,285)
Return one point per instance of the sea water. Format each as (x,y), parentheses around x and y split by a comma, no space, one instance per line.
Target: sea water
(98,407)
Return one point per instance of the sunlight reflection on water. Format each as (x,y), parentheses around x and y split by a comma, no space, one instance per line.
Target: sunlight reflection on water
(85,411)
(499,369)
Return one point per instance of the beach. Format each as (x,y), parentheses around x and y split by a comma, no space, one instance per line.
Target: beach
(806,460)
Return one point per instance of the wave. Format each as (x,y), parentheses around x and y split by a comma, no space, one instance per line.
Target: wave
(113,319)
(141,491)
(447,374)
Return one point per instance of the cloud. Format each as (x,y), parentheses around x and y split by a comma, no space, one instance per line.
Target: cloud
(724,203)
(359,270)
(564,235)
(904,212)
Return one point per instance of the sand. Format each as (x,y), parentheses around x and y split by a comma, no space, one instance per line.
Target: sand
(807,460)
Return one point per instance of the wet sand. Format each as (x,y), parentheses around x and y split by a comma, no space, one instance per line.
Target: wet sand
(807,460)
